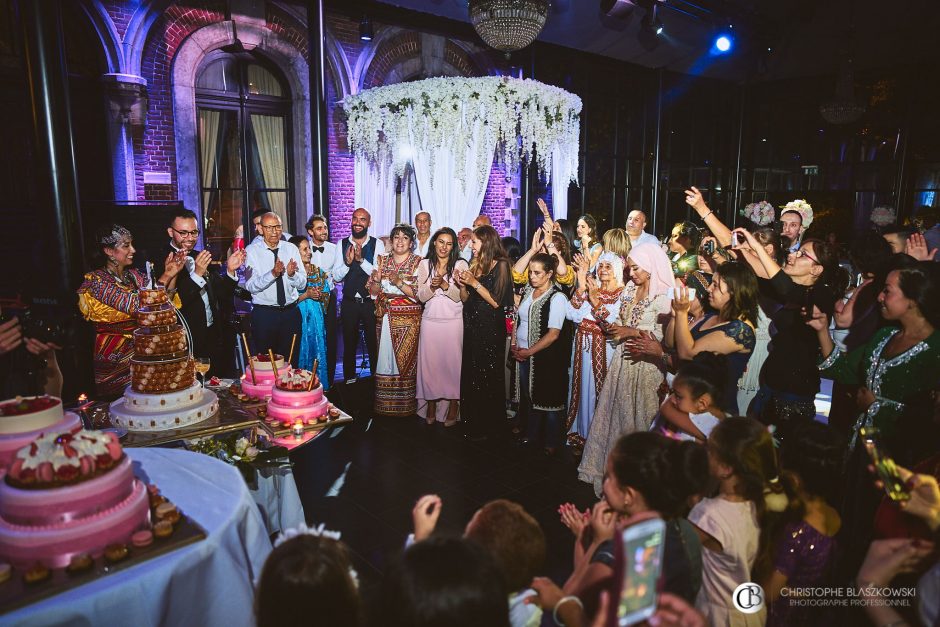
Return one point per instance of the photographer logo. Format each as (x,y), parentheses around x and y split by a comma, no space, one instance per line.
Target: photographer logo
(748,598)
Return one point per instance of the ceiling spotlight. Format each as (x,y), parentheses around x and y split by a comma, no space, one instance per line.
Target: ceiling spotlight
(723,43)
(366,32)
(651,22)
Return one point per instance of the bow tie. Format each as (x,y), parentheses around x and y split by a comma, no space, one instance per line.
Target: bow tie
(317,249)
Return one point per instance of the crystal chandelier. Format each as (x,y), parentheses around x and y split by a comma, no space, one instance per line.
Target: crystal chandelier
(843,108)
(508,25)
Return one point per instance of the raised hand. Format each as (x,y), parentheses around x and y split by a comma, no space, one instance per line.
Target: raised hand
(173,264)
(278,268)
(544,209)
(925,497)
(694,199)
(537,239)
(916,247)
(425,514)
(202,261)
(818,320)
(357,255)
(680,302)
(291,267)
(745,236)
(350,253)
(573,519)
(235,261)
(603,521)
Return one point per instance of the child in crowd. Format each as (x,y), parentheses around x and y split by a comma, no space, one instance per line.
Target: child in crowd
(692,410)
(742,460)
(510,535)
(313,566)
(805,546)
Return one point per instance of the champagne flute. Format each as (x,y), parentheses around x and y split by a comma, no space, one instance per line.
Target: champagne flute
(202,367)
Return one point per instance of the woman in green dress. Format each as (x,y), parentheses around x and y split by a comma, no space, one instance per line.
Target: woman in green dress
(895,367)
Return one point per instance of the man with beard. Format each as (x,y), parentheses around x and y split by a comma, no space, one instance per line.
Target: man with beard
(353,267)
(323,255)
(206,294)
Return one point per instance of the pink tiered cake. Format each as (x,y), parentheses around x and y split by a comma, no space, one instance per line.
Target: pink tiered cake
(66,494)
(23,419)
(292,402)
(259,386)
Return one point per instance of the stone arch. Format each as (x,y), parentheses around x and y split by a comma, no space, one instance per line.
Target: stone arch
(189,56)
(138,32)
(107,35)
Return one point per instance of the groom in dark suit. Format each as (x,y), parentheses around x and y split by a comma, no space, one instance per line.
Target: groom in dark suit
(206,294)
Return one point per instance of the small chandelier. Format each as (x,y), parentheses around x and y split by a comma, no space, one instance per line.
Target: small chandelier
(843,108)
(508,25)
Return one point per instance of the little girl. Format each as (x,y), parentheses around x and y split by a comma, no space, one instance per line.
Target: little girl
(806,544)
(692,410)
(742,460)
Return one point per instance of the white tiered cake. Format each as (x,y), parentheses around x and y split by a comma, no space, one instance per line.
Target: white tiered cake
(163,393)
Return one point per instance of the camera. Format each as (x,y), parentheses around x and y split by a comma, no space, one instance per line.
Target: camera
(43,319)
(708,247)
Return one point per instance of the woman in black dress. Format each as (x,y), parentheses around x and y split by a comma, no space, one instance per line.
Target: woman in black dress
(486,292)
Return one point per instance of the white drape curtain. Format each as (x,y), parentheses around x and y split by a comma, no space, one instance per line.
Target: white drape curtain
(442,195)
(375,192)
(561,173)
(269,135)
(209,143)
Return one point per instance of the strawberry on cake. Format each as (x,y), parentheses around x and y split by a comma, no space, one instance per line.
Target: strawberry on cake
(25,418)
(295,398)
(67,494)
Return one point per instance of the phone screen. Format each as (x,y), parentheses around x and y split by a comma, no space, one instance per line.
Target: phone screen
(642,553)
(885,467)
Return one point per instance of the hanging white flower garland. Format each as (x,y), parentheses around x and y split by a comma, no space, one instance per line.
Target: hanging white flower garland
(513,116)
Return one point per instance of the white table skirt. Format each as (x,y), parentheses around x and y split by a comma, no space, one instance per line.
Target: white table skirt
(208,583)
(277,498)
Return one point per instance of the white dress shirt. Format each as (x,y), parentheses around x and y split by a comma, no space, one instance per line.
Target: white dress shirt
(340,268)
(645,238)
(199,281)
(422,250)
(466,253)
(261,281)
(325,260)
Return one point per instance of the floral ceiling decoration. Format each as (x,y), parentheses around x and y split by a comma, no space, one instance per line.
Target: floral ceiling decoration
(519,118)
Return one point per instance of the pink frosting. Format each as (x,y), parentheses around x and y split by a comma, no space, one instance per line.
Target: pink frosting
(286,398)
(11,443)
(54,545)
(56,505)
(290,415)
(257,391)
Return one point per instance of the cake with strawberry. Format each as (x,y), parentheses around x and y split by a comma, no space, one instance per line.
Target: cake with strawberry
(67,494)
(25,418)
(259,376)
(296,398)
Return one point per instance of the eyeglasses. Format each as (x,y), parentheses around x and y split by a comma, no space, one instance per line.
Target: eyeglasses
(194,233)
(802,253)
(273,227)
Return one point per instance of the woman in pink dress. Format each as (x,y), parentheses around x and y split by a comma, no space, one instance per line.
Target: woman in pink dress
(440,344)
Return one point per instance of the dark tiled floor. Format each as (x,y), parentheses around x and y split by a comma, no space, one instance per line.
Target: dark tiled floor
(364,479)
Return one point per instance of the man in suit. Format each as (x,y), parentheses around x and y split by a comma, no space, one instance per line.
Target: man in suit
(205,293)
(323,255)
(353,267)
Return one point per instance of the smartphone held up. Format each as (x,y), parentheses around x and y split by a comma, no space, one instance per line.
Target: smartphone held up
(639,566)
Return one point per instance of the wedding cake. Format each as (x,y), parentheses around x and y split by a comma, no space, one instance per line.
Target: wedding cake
(68,494)
(259,377)
(163,393)
(294,399)
(23,419)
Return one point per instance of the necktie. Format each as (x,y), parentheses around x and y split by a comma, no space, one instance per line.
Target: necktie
(318,249)
(279,282)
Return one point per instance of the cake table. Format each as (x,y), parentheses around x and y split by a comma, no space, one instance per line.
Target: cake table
(207,583)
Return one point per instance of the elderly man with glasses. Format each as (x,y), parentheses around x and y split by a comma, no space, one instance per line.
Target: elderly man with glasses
(276,278)
(205,293)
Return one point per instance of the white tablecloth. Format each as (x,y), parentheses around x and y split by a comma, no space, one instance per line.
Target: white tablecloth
(277,498)
(206,583)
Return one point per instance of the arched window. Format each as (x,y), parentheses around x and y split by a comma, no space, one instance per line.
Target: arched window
(243,113)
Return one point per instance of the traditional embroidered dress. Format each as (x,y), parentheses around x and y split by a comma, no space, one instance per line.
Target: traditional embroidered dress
(398,325)
(548,368)
(589,359)
(313,336)
(112,306)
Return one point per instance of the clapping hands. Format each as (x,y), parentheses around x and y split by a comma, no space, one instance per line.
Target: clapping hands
(916,247)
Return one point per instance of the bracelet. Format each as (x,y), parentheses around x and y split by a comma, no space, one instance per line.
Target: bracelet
(561,601)
(707,214)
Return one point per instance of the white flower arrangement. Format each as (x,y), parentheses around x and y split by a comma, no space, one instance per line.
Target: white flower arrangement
(513,116)
(801,207)
(760,213)
(883,216)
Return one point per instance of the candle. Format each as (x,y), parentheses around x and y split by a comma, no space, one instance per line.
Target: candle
(82,397)
(298,429)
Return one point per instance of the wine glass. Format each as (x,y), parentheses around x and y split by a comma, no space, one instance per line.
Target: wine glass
(202,367)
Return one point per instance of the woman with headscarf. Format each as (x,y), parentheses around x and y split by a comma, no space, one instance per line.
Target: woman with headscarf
(629,398)
(592,308)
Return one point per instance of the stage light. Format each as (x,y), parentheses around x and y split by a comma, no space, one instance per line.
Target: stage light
(723,43)
(651,22)
(366,32)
